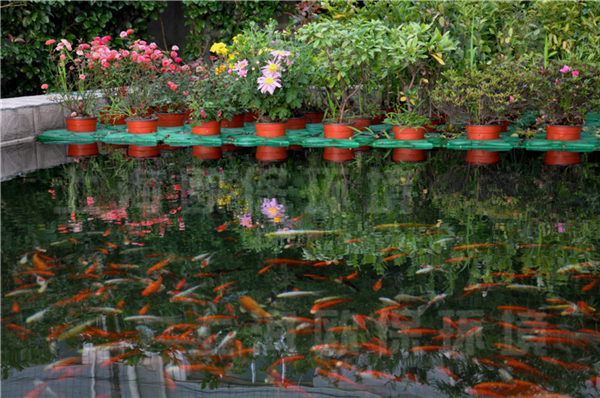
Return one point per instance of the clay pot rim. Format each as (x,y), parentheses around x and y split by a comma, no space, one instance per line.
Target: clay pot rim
(565,125)
(82,118)
(485,125)
(340,124)
(257,122)
(170,113)
(290,118)
(141,120)
(408,127)
(362,118)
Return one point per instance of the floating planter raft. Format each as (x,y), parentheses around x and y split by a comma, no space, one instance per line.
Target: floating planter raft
(312,137)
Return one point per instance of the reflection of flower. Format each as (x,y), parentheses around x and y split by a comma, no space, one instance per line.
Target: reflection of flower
(271,209)
(246,220)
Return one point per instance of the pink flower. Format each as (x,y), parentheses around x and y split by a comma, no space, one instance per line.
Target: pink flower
(79,52)
(575,73)
(565,69)
(166,62)
(268,84)
(177,59)
(106,39)
(73,114)
(173,86)
(67,44)
(130,31)
(511,98)
(49,42)
(123,35)
(554,99)
(174,48)
(173,54)
(82,77)
(76,60)
(243,73)
(105,64)
(44,86)
(62,57)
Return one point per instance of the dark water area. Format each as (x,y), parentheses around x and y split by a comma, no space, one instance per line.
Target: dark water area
(178,277)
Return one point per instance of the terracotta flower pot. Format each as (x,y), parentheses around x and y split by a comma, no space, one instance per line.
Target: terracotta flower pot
(186,115)
(504,126)
(409,133)
(431,127)
(226,148)
(441,119)
(295,148)
(207,128)
(77,150)
(563,133)
(250,117)
(314,117)
(236,122)
(270,154)
(270,130)
(296,123)
(111,120)
(136,151)
(81,125)
(338,131)
(482,157)
(142,126)
(206,152)
(408,155)
(171,119)
(483,132)
(559,158)
(362,123)
(338,155)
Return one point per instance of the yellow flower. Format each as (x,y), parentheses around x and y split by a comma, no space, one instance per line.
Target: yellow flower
(230,56)
(219,48)
(277,219)
(235,38)
(220,69)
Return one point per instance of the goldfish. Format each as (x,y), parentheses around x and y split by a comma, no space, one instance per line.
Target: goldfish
(477,246)
(76,330)
(589,286)
(328,263)
(552,341)
(223,286)
(38,263)
(288,359)
(372,374)
(375,348)
(377,285)
(425,269)
(355,240)
(336,378)
(265,269)
(202,256)
(387,226)
(291,232)
(293,294)
(101,249)
(160,265)
(430,348)
(521,367)
(153,287)
(482,286)
(37,316)
(457,259)
(319,306)
(509,348)
(216,318)
(251,306)
(395,256)
(148,318)
(207,261)
(342,329)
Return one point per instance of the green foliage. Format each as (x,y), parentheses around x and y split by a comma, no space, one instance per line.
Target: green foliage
(225,18)
(348,56)
(406,119)
(26,25)
(483,96)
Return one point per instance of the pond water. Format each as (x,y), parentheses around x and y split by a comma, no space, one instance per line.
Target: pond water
(178,277)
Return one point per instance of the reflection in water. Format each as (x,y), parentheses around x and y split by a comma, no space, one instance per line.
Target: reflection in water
(338,155)
(409,155)
(173,277)
(482,157)
(559,158)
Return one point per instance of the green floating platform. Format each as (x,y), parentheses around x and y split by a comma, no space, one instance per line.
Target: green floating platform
(312,137)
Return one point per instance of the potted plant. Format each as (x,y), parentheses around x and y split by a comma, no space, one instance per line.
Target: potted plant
(482,97)
(74,88)
(564,92)
(170,88)
(210,96)
(271,69)
(414,54)
(346,53)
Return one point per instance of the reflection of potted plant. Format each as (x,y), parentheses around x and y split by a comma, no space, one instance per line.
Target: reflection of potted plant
(346,51)
(564,93)
(271,71)
(75,82)
(482,97)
